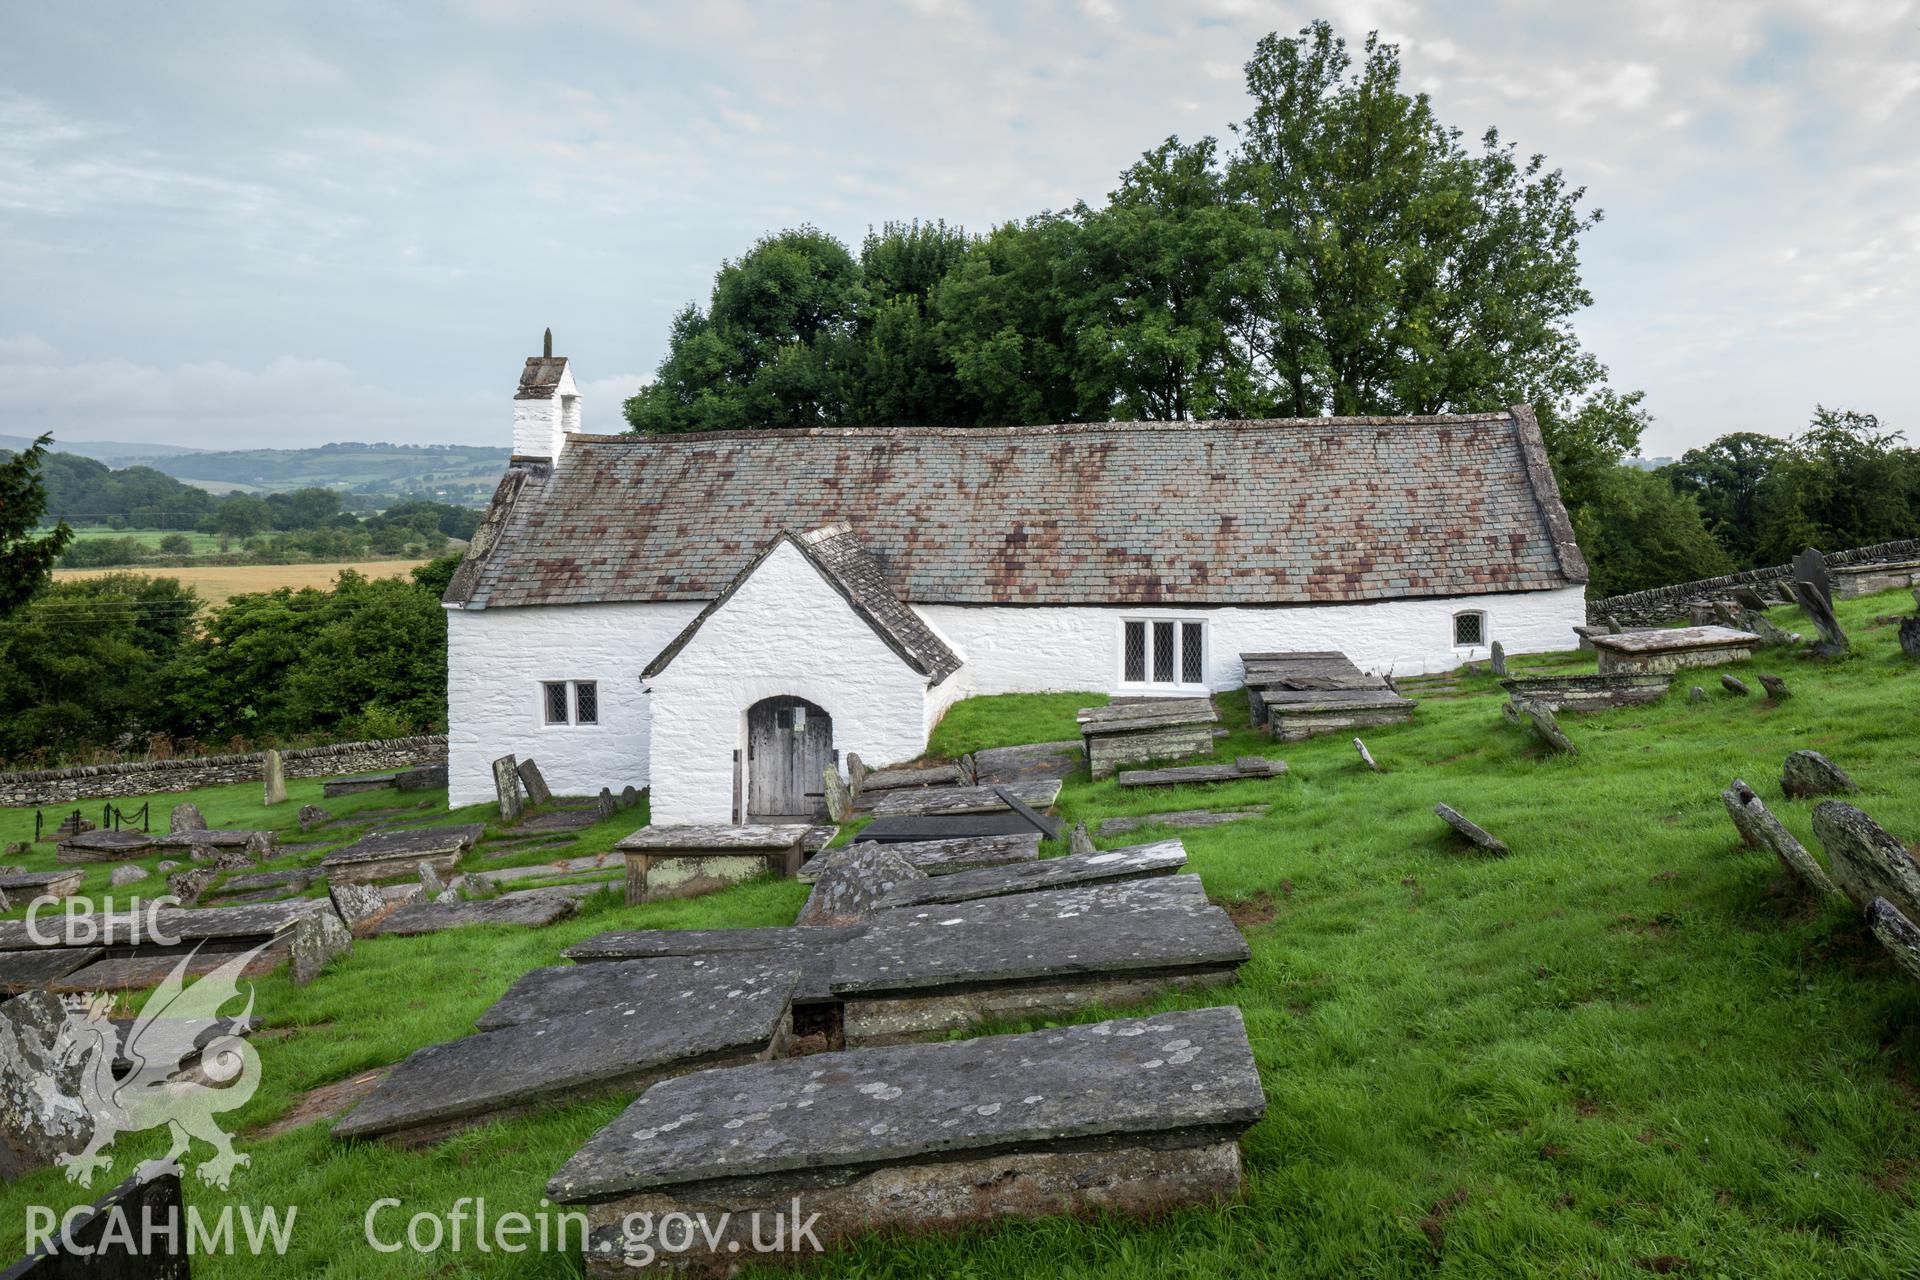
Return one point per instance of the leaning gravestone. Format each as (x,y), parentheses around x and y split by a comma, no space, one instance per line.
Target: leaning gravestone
(185,817)
(1867,862)
(624,1045)
(1473,831)
(506,785)
(1735,798)
(6,905)
(41,1115)
(1549,729)
(1366,756)
(137,1231)
(535,783)
(1131,1116)
(1808,773)
(1734,685)
(1776,688)
(839,795)
(1833,641)
(274,790)
(1896,933)
(1810,570)
(317,939)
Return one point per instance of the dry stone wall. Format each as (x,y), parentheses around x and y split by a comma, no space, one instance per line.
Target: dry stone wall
(1669,604)
(151,777)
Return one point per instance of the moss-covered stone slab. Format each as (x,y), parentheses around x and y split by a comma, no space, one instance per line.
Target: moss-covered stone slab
(577,1052)
(1668,649)
(1134,862)
(525,909)
(397,855)
(1132,1116)
(569,989)
(856,885)
(1897,934)
(1867,862)
(685,861)
(22,971)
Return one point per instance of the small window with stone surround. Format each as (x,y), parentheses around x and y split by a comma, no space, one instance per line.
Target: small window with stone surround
(1163,653)
(570,702)
(1469,629)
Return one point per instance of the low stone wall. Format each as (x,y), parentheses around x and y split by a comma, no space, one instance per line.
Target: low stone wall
(1668,604)
(153,777)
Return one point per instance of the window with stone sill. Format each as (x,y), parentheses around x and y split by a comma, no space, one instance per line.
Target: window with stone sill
(568,702)
(1163,653)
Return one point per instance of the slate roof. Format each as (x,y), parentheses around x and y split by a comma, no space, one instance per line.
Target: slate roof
(845,563)
(1171,513)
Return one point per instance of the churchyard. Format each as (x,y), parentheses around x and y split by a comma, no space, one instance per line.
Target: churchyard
(1631,1045)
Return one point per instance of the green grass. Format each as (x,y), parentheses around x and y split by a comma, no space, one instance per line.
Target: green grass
(1623,1043)
(203,543)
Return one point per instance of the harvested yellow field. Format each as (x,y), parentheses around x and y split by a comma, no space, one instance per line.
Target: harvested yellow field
(216,583)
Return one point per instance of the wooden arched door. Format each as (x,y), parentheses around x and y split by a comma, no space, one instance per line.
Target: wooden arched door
(789,748)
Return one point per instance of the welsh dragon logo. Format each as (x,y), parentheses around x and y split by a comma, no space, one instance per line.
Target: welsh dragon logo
(179,1023)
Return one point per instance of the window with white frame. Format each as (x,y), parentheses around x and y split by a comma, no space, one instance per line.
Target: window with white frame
(1469,629)
(570,701)
(1163,653)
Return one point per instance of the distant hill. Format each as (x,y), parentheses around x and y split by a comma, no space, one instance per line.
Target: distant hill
(113,452)
(457,473)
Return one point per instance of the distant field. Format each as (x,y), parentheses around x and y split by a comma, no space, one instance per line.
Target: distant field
(203,543)
(219,583)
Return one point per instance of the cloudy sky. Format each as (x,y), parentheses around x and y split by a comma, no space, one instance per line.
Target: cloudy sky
(233,225)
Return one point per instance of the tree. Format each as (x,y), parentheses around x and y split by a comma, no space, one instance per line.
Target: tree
(239,515)
(27,555)
(1842,482)
(1724,478)
(78,665)
(1638,533)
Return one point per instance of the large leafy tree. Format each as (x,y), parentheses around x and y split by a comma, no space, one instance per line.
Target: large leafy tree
(1844,482)
(27,552)
(1724,477)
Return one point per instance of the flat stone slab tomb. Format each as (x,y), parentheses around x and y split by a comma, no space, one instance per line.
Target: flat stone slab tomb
(686,861)
(1136,732)
(353,786)
(1135,862)
(1131,1116)
(616,1028)
(922,972)
(22,971)
(106,846)
(1301,670)
(129,957)
(947,801)
(942,857)
(1198,774)
(1296,714)
(396,855)
(1672,649)
(1589,693)
(29,886)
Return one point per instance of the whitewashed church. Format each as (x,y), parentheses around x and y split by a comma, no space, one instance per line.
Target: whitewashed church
(719,616)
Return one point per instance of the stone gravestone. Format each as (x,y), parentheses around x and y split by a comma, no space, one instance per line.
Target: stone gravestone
(606,806)
(318,937)
(276,780)
(1810,570)
(137,1231)
(1776,688)
(1366,756)
(311,816)
(1473,831)
(1867,862)
(629,797)
(35,1126)
(186,817)
(1808,773)
(1078,841)
(1833,641)
(1896,933)
(839,795)
(1498,659)
(1734,685)
(857,772)
(1544,724)
(506,785)
(1696,695)
(534,782)
(1735,798)
(1910,637)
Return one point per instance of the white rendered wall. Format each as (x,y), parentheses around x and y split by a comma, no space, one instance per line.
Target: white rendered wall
(540,426)
(785,631)
(1041,649)
(496,661)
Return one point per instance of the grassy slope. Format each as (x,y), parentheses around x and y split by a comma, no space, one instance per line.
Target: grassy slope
(1619,1045)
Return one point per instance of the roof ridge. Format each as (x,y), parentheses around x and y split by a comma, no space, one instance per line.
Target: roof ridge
(1056,428)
